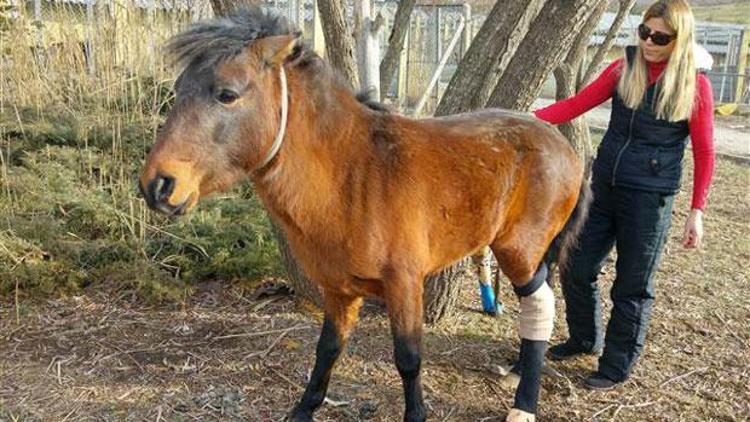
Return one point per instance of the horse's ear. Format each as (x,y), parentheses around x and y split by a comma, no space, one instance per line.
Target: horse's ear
(274,50)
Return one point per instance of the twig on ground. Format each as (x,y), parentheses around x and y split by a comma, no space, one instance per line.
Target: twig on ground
(268,349)
(705,368)
(263,333)
(602,411)
(621,406)
(285,378)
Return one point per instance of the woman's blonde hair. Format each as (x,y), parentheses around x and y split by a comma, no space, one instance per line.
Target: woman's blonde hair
(676,86)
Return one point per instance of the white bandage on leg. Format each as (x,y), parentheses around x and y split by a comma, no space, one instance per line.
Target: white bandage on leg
(537,314)
(517,415)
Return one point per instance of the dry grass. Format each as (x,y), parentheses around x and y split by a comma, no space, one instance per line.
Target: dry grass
(72,140)
(224,355)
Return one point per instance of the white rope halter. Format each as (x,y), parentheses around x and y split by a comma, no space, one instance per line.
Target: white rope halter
(282,129)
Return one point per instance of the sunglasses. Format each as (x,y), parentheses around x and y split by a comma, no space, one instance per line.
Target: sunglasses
(658,38)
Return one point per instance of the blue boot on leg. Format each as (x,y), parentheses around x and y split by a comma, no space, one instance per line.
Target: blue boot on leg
(490,305)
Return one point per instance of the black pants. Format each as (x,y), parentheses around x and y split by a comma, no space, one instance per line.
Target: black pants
(637,223)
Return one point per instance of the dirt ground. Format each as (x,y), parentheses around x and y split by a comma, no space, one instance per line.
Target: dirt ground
(227,356)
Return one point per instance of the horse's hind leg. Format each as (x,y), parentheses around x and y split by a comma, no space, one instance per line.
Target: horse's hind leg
(341,314)
(403,296)
(520,261)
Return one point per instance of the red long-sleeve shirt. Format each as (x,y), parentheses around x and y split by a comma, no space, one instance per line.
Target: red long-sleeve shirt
(701,122)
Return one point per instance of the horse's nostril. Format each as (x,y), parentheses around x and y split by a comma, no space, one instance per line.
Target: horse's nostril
(163,188)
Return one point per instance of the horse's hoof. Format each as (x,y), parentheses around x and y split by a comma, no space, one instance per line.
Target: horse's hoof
(418,416)
(298,415)
(518,415)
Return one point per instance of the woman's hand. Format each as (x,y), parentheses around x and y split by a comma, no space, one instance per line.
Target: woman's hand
(693,235)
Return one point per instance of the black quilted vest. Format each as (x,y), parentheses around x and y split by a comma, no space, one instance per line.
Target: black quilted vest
(640,151)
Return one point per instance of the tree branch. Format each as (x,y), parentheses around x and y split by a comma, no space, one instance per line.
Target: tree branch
(489,52)
(542,49)
(622,12)
(395,44)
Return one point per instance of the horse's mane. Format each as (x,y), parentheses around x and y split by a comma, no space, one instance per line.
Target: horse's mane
(208,43)
(365,97)
(211,42)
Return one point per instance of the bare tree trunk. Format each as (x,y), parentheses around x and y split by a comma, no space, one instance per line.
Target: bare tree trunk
(339,40)
(304,289)
(441,292)
(567,82)
(542,49)
(622,12)
(489,53)
(367,29)
(225,7)
(395,44)
(574,73)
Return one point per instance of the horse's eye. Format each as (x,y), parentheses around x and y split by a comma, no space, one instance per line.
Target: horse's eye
(226,96)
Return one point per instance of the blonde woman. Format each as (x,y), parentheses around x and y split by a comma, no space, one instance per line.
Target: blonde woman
(658,100)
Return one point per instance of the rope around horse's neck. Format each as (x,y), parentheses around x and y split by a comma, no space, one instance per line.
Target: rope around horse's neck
(282,124)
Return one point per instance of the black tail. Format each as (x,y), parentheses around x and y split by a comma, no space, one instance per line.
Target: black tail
(561,246)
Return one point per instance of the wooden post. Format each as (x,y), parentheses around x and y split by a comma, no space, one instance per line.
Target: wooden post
(742,65)
(119,20)
(90,37)
(38,24)
(151,36)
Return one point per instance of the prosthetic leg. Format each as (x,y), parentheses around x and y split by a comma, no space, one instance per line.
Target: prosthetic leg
(489,294)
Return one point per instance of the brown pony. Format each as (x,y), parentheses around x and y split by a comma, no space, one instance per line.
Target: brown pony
(371,202)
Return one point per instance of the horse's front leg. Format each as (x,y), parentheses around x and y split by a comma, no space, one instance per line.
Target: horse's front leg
(341,314)
(535,327)
(403,296)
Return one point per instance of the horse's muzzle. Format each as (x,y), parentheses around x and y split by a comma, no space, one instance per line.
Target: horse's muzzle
(157,193)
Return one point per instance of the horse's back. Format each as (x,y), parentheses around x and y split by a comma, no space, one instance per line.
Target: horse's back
(501,134)
(467,177)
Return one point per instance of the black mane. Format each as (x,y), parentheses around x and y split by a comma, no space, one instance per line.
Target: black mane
(365,97)
(206,44)
(212,42)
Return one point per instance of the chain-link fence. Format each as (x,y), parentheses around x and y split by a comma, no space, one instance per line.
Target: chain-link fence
(729,74)
(131,32)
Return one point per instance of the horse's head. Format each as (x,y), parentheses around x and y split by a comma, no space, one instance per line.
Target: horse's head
(229,113)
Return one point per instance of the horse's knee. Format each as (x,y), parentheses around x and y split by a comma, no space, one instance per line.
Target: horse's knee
(330,341)
(408,355)
(537,307)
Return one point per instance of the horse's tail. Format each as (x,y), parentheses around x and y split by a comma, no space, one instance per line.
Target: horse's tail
(559,250)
